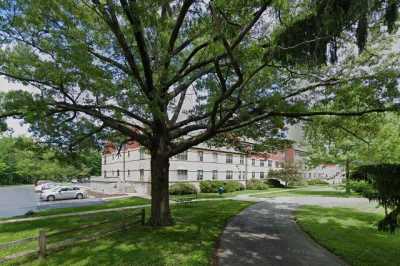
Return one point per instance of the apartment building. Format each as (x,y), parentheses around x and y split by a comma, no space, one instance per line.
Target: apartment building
(129,169)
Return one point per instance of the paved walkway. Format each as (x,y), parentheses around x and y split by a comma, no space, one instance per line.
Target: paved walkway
(266,234)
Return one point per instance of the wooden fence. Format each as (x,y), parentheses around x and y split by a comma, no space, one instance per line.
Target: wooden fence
(44,247)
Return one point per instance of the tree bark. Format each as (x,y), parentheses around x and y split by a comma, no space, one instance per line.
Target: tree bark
(160,210)
(347,176)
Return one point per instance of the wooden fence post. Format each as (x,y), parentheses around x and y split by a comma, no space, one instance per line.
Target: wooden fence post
(143,216)
(42,244)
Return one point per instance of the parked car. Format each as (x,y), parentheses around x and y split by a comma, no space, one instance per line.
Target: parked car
(41,182)
(45,186)
(64,192)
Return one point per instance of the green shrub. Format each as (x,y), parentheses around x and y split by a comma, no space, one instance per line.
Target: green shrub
(254,184)
(298,183)
(211,186)
(362,187)
(182,189)
(231,186)
(313,182)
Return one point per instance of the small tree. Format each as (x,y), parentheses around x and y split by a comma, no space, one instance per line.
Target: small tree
(290,173)
(385,180)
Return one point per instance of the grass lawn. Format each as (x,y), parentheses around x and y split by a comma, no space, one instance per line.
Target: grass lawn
(190,242)
(117,203)
(351,234)
(322,191)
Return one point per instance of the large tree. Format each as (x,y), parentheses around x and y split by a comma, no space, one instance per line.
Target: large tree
(125,69)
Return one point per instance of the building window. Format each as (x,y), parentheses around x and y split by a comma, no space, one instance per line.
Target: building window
(199,174)
(141,174)
(261,174)
(229,174)
(277,164)
(241,159)
(214,174)
(129,172)
(269,163)
(215,157)
(262,163)
(253,162)
(129,154)
(141,153)
(253,175)
(105,159)
(240,175)
(105,173)
(229,158)
(183,156)
(201,158)
(182,174)
(118,172)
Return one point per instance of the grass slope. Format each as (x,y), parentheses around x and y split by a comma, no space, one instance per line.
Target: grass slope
(117,203)
(351,234)
(190,242)
(312,191)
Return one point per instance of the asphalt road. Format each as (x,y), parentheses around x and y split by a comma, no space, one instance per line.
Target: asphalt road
(18,200)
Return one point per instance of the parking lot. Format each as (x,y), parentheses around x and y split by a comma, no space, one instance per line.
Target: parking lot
(18,200)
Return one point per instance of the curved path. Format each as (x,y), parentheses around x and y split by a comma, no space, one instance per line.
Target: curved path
(266,234)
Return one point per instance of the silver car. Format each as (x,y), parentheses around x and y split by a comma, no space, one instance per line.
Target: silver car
(64,192)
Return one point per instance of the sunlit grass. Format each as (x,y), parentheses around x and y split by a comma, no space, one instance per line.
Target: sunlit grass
(351,234)
(190,241)
(309,191)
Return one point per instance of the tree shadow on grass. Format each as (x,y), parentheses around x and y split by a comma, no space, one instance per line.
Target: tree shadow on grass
(189,242)
(351,234)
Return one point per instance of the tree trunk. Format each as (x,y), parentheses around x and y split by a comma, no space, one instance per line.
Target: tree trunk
(347,176)
(160,211)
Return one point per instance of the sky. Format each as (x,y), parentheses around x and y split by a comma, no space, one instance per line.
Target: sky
(16,125)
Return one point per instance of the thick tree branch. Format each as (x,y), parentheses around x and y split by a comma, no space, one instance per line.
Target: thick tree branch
(111,19)
(131,12)
(179,21)
(10,114)
(105,59)
(124,127)
(178,108)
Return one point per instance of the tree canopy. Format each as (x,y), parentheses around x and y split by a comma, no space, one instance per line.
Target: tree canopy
(128,70)
(289,173)
(22,161)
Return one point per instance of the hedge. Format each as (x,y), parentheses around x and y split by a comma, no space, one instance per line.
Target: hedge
(317,181)
(182,189)
(211,186)
(254,184)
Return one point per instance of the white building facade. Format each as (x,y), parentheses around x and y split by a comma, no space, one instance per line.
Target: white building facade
(129,169)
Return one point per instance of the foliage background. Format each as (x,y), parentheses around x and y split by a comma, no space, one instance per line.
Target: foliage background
(22,161)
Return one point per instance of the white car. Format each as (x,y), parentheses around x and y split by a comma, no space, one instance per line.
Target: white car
(64,192)
(45,186)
